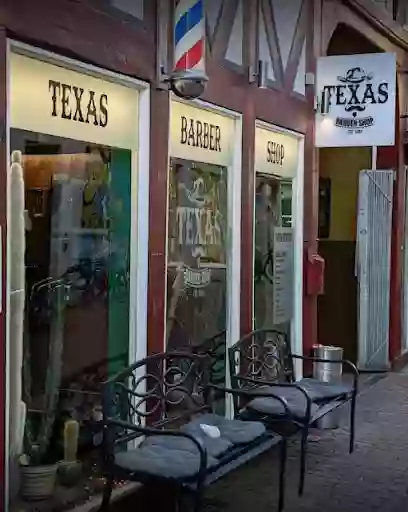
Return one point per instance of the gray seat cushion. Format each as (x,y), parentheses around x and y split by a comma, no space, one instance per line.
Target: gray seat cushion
(234,431)
(295,399)
(214,446)
(321,391)
(168,457)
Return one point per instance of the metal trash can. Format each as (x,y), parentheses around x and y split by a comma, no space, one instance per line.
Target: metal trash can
(328,372)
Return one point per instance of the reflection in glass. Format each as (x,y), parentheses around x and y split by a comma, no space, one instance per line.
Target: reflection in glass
(76,322)
(196,276)
(273,208)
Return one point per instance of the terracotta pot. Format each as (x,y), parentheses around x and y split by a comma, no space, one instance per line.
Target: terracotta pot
(37,482)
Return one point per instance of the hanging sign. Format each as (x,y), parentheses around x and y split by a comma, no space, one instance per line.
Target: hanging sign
(356,100)
(282,275)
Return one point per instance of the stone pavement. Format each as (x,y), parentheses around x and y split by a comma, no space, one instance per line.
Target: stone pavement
(374,478)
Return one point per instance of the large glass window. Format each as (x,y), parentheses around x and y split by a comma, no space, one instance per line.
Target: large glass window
(76,320)
(273,209)
(197,259)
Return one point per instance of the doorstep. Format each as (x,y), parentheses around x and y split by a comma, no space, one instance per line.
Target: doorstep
(117,494)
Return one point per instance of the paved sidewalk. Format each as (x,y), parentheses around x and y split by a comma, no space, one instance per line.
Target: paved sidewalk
(374,478)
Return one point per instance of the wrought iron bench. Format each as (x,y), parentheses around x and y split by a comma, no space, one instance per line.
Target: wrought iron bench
(262,361)
(159,428)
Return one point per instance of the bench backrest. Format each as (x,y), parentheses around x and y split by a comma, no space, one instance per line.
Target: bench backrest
(163,391)
(264,355)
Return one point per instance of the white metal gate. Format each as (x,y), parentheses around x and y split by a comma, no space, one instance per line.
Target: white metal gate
(373,260)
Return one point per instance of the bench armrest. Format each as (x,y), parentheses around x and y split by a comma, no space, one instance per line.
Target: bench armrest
(252,394)
(149,431)
(344,362)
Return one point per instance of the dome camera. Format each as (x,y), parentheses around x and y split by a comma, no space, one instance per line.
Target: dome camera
(188,85)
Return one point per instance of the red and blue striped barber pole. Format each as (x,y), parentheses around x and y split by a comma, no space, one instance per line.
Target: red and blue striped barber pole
(189,37)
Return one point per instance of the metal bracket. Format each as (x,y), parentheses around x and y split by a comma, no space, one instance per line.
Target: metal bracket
(163,20)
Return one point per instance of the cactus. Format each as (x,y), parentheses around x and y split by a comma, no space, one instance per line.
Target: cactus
(17,299)
(71,435)
(36,446)
(21,432)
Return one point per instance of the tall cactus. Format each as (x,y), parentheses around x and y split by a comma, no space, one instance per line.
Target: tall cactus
(17,299)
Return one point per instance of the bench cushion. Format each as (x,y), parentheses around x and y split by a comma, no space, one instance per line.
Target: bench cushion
(169,457)
(296,401)
(234,431)
(214,446)
(321,391)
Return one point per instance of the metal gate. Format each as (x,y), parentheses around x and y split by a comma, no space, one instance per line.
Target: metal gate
(373,260)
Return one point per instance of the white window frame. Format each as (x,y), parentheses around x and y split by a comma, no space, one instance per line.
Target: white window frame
(296,325)
(233,232)
(139,236)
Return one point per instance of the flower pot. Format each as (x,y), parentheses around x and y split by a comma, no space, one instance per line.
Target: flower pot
(37,482)
(69,472)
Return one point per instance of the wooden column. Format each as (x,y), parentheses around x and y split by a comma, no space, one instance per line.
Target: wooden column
(3,224)
(159,143)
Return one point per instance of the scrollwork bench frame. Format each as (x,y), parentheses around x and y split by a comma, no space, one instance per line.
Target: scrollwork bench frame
(152,430)
(262,361)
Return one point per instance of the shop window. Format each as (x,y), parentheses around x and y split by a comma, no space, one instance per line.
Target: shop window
(273,210)
(197,259)
(76,320)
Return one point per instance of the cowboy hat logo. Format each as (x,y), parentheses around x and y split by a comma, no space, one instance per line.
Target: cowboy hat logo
(355,75)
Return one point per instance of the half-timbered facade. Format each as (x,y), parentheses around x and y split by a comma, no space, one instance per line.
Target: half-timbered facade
(159,215)
(167,222)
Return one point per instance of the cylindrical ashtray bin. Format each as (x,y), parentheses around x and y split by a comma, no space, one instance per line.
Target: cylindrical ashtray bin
(328,372)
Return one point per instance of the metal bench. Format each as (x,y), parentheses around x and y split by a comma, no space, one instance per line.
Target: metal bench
(159,428)
(262,361)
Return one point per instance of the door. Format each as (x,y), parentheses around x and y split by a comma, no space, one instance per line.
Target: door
(273,266)
(373,259)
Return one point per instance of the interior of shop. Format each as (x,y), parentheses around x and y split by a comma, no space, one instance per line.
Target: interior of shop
(76,316)
(338,202)
(273,209)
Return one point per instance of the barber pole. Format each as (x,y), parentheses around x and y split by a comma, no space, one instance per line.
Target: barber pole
(189,37)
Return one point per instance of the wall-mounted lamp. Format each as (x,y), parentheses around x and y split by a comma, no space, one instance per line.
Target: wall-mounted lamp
(322,103)
(259,74)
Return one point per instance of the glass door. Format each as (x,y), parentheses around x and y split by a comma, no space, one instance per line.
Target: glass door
(273,220)
(197,260)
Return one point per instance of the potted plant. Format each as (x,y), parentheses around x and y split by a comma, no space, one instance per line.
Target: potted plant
(38,464)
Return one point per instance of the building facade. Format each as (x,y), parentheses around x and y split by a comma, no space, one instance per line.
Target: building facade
(353,28)
(144,222)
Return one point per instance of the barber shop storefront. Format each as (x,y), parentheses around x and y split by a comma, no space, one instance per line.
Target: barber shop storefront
(77,252)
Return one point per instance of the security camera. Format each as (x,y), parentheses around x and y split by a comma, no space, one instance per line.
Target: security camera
(188,84)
